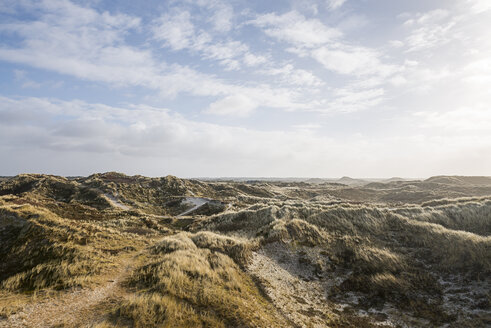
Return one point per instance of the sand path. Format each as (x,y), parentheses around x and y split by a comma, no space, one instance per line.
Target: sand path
(76,308)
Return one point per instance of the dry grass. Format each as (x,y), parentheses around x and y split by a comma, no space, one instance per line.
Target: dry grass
(395,255)
(189,286)
(58,233)
(247,221)
(236,248)
(41,250)
(465,214)
(297,231)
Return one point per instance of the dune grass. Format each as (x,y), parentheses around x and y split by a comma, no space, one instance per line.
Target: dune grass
(394,254)
(59,233)
(42,250)
(191,282)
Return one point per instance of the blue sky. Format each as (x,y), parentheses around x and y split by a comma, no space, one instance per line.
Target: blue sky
(306,88)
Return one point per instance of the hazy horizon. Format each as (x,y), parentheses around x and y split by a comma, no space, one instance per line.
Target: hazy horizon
(333,178)
(214,88)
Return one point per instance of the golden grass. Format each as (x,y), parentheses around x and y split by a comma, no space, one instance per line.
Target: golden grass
(297,231)
(58,233)
(42,250)
(395,254)
(189,286)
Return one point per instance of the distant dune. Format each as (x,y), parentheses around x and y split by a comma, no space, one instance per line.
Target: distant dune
(473,180)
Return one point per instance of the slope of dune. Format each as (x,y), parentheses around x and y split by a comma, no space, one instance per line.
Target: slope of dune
(135,252)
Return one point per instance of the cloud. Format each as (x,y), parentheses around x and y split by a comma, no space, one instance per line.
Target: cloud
(362,90)
(429,30)
(222,17)
(177,31)
(396,43)
(294,28)
(479,6)
(471,119)
(157,141)
(78,41)
(254,60)
(290,75)
(351,60)
(334,4)
(135,130)
(219,13)
(353,99)
(451,56)
(310,37)
(81,42)
(89,45)
(235,105)
(21,77)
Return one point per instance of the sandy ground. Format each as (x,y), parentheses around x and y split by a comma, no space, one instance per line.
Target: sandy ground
(196,202)
(115,202)
(294,290)
(76,308)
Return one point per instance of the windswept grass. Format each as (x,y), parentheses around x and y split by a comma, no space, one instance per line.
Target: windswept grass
(248,221)
(297,231)
(410,252)
(472,215)
(191,282)
(394,255)
(42,250)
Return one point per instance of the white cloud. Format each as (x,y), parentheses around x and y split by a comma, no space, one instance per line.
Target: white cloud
(291,75)
(452,56)
(311,37)
(478,73)
(355,99)
(222,17)
(219,13)
(307,127)
(430,30)
(335,4)
(294,28)
(396,43)
(351,60)
(21,77)
(235,105)
(78,41)
(398,80)
(349,82)
(228,50)
(176,30)
(156,141)
(81,42)
(479,6)
(254,60)
(463,119)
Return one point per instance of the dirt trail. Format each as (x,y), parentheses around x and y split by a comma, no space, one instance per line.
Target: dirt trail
(303,302)
(78,308)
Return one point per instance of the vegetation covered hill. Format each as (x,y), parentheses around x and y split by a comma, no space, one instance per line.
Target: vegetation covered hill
(111,250)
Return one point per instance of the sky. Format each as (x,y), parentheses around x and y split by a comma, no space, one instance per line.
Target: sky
(212,88)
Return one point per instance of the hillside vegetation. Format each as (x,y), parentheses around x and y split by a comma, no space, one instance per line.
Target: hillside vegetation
(143,252)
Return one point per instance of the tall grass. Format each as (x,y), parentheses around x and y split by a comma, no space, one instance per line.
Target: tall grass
(40,249)
(394,254)
(191,282)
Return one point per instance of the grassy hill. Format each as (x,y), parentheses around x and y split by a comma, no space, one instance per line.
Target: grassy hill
(111,250)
